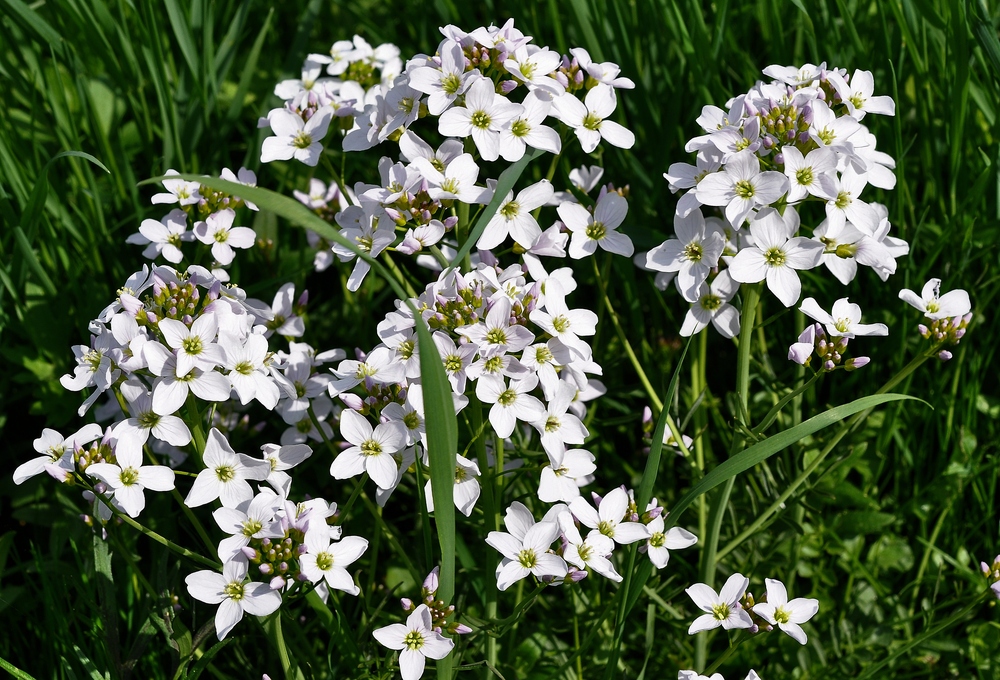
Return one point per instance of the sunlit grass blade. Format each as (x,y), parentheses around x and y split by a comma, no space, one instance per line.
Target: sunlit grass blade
(761,451)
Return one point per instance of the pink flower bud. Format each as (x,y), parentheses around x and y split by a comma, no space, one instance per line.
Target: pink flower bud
(856,363)
(507,86)
(352,401)
(407,604)
(944,355)
(277,583)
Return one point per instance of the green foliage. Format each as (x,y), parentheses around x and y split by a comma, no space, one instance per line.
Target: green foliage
(887,533)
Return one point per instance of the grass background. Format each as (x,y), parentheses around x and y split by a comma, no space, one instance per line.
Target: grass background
(888,539)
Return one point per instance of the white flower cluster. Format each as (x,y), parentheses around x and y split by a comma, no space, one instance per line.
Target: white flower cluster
(492,85)
(212,214)
(172,349)
(794,140)
(949,315)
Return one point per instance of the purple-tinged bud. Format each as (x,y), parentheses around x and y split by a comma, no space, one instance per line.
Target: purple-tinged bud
(460,629)
(352,401)
(507,86)
(283,567)
(654,512)
(301,549)
(804,137)
(277,583)
(173,286)
(939,335)
(214,291)
(647,415)
(304,298)
(923,330)
(301,577)
(87,519)
(562,79)
(450,222)
(855,363)
(431,582)
(790,135)
(266,569)
(944,355)
(769,143)
(576,575)
(266,543)
(407,604)
(100,488)
(187,319)
(959,334)
(749,108)
(250,553)
(578,77)
(754,629)
(172,311)
(151,317)
(779,158)
(369,384)
(829,365)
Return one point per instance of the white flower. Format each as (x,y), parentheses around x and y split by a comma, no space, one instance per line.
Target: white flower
(56,450)
(532,66)
(282,458)
(247,372)
(129,476)
(457,181)
(527,130)
(845,205)
(234,595)
(514,218)
(195,346)
(443,85)
(660,544)
(589,118)
(498,335)
(812,174)
(713,307)
(934,305)
(775,257)
(599,229)
(741,187)
(466,486)
(556,427)
(483,116)
(607,519)
(218,231)
(145,420)
(510,404)
(382,365)
(416,642)
(857,95)
(604,72)
(328,561)
(723,608)
(371,451)
(843,321)
(787,615)
(164,237)
(593,552)
(225,475)
(179,191)
(568,470)
(693,254)
(525,549)
(296,138)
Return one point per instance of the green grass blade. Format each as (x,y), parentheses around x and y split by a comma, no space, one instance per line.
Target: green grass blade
(248,70)
(986,35)
(15,673)
(761,451)
(183,34)
(30,18)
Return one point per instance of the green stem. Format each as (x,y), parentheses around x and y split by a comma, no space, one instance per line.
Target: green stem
(725,655)
(634,360)
(698,385)
(180,550)
(492,514)
(804,475)
(272,625)
(709,558)
(398,273)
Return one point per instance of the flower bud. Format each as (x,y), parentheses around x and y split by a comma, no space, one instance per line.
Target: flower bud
(100,488)
(407,604)
(944,355)
(277,583)
(266,569)
(855,363)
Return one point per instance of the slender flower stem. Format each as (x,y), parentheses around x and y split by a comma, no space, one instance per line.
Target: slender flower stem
(634,360)
(492,514)
(740,639)
(709,558)
(272,625)
(180,550)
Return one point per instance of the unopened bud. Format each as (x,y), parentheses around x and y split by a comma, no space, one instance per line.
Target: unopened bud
(277,583)
(944,355)
(855,363)
(266,569)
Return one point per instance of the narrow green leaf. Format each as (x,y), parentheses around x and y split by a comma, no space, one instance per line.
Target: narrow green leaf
(28,17)
(504,184)
(982,27)
(206,659)
(106,599)
(31,260)
(183,34)
(250,66)
(16,673)
(761,451)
